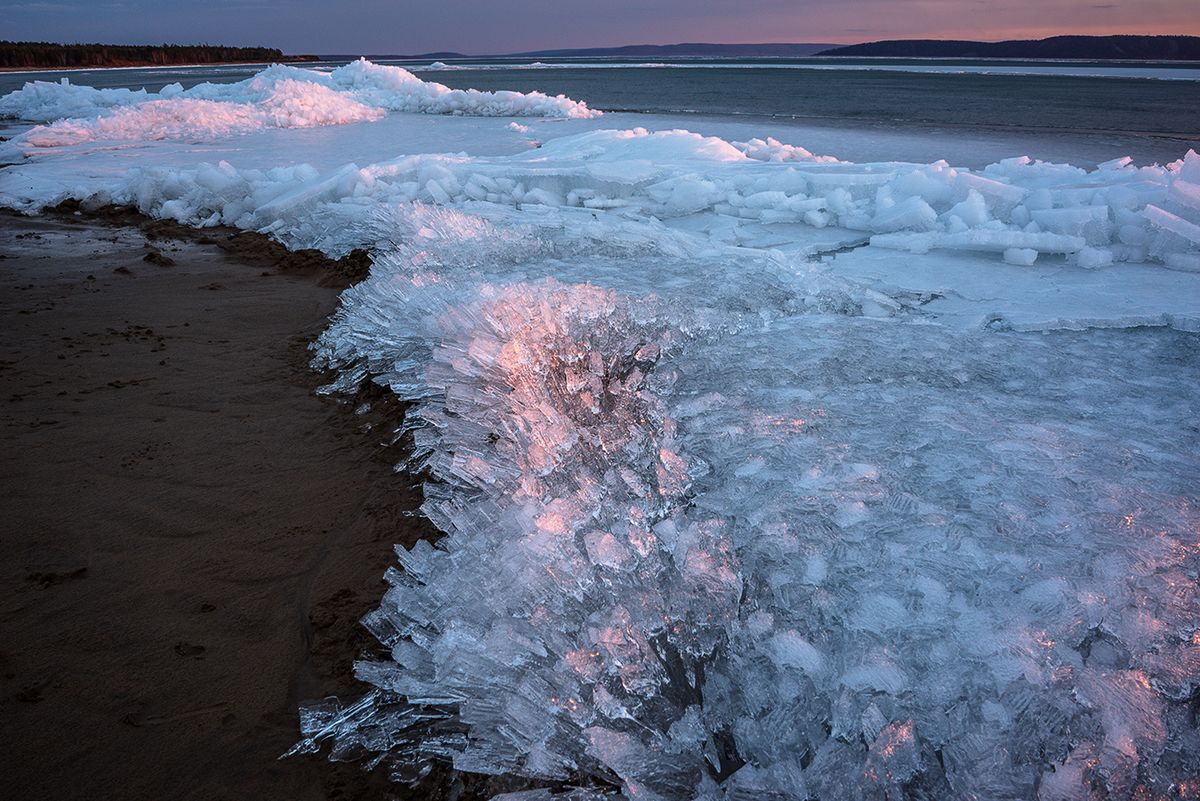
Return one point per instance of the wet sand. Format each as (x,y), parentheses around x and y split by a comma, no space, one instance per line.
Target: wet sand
(190,534)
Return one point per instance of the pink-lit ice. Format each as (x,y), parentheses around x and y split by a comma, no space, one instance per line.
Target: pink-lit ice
(758,474)
(279,96)
(711,532)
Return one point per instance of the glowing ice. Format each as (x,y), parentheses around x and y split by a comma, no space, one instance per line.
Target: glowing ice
(748,488)
(703,548)
(279,96)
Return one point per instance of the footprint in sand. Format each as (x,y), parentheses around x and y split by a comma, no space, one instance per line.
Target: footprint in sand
(190,651)
(50,579)
(33,693)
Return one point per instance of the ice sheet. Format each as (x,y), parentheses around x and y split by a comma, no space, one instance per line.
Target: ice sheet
(754,480)
(718,527)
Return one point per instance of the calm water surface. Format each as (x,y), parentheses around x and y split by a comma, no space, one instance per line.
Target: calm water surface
(1152,119)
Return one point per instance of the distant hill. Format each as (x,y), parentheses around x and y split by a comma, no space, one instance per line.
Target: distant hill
(686,49)
(1138,48)
(48,55)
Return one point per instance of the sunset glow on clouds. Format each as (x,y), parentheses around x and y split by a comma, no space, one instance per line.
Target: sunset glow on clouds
(387,26)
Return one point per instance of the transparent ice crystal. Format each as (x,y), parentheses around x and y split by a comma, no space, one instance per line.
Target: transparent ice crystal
(730,539)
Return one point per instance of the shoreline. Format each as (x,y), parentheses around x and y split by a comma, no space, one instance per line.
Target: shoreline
(150,65)
(192,533)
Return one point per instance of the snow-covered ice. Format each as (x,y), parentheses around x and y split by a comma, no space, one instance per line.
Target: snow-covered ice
(279,96)
(761,474)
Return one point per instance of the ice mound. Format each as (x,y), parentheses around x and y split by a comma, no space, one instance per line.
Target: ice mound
(397,89)
(1116,213)
(711,533)
(279,96)
(284,104)
(44,101)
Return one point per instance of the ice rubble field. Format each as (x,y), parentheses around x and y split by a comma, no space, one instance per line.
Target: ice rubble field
(761,474)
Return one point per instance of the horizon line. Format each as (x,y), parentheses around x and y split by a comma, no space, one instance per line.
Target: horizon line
(626,45)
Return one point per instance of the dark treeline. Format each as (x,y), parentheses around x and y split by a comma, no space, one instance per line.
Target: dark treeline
(47,55)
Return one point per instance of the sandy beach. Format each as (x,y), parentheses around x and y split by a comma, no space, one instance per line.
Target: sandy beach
(190,532)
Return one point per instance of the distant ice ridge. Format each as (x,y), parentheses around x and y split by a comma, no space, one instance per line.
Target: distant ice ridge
(283,103)
(279,96)
(711,533)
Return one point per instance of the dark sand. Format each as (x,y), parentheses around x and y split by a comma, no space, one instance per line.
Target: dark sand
(189,533)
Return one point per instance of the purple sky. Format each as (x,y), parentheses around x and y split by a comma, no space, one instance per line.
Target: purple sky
(497,26)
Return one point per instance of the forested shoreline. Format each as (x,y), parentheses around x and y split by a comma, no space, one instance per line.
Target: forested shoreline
(48,55)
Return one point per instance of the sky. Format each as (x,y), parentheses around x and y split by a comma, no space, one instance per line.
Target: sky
(504,26)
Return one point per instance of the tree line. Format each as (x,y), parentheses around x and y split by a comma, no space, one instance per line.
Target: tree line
(1135,48)
(49,55)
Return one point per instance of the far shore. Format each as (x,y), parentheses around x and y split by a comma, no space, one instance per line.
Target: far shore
(151,65)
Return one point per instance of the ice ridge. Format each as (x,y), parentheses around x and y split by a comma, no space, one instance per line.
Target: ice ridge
(1019,210)
(279,96)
